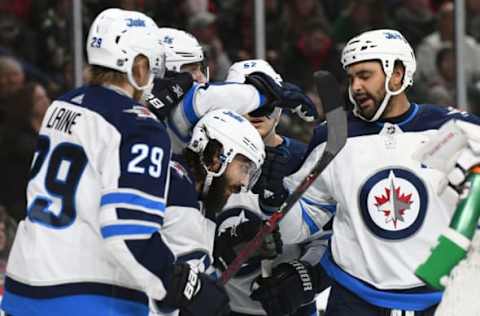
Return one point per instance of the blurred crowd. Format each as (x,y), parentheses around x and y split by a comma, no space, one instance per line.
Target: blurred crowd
(302,36)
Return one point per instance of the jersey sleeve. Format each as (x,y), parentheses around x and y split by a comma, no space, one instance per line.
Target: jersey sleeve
(309,215)
(201,99)
(135,183)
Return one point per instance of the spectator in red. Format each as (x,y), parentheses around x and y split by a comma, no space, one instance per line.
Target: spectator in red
(313,50)
(299,13)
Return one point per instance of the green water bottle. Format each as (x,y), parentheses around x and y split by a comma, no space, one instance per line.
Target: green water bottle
(453,244)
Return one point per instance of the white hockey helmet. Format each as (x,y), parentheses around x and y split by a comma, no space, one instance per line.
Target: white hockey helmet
(182,48)
(239,70)
(117,36)
(237,136)
(386,46)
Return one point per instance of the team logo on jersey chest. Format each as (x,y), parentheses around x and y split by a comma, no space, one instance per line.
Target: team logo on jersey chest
(393,203)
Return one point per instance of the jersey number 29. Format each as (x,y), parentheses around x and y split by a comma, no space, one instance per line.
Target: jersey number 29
(65,165)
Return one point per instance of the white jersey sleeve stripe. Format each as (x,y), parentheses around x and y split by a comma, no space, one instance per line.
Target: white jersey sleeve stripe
(312,227)
(126,229)
(330,208)
(132,199)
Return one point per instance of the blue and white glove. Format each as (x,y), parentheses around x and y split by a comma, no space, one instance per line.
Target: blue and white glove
(287,96)
(454,150)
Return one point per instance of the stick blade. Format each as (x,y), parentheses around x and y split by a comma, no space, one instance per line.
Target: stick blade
(329,90)
(334,107)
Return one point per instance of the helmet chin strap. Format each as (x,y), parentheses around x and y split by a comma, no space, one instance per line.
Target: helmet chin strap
(147,88)
(389,93)
(207,183)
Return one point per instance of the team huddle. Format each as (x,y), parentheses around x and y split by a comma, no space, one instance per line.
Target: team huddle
(148,181)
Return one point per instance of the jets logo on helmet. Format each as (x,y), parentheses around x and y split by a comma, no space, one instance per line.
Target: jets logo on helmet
(386,46)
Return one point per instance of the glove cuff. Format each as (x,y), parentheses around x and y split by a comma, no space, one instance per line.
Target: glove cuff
(270,202)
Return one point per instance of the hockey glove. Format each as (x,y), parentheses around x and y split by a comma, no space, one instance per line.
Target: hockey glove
(229,242)
(291,285)
(288,96)
(455,149)
(167,93)
(195,294)
(269,187)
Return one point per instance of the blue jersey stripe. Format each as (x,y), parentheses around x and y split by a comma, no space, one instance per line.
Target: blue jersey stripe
(312,227)
(75,305)
(132,199)
(330,208)
(126,229)
(188,109)
(387,299)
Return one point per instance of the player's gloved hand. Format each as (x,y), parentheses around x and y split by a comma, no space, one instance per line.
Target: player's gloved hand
(291,285)
(231,241)
(168,92)
(195,294)
(288,96)
(455,149)
(269,187)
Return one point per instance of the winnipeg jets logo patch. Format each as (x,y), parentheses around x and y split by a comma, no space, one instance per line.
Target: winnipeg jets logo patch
(141,112)
(393,203)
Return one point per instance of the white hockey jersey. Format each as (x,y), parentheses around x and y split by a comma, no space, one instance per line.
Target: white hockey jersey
(244,207)
(388,214)
(92,243)
(201,99)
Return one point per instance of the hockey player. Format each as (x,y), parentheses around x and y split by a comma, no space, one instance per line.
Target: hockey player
(182,103)
(242,216)
(388,210)
(223,157)
(184,54)
(92,243)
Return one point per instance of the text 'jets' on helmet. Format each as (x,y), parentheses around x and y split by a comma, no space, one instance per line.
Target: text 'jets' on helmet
(182,48)
(386,46)
(117,36)
(236,135)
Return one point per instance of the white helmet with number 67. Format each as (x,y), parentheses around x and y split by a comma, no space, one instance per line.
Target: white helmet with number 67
(239,70)
(236,135)
(386,46)
(117,36)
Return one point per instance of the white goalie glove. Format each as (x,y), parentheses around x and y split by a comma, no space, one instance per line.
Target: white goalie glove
(455,149)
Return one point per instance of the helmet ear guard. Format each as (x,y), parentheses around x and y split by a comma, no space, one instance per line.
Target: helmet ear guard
(386,46)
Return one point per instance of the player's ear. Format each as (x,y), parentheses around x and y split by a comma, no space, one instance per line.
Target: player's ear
(211,155)
(216,163)
(141,70)
(397,76)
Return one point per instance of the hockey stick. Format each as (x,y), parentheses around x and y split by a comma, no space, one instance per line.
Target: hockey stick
(334,107)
